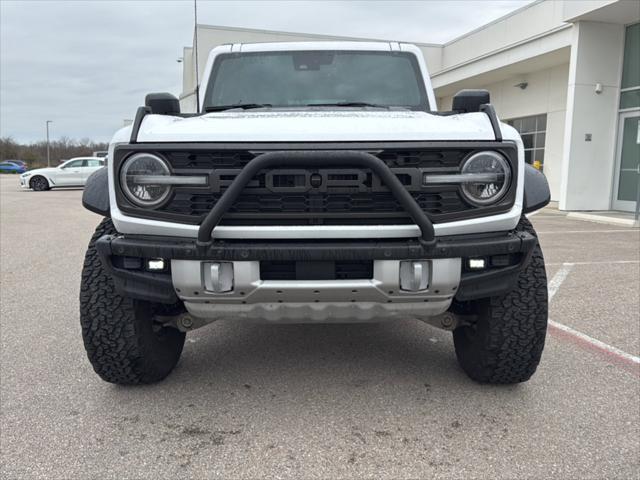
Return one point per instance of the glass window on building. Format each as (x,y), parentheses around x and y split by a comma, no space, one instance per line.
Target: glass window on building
(630,85)
(533,132)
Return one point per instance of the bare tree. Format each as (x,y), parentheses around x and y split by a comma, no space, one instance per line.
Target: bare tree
(35,154)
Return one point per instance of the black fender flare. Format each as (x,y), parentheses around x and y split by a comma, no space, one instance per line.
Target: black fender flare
(96,193)
(536,190)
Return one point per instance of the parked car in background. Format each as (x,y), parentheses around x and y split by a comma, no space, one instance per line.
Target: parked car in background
(19,162)
(101,153)
(13,166)
(72,173)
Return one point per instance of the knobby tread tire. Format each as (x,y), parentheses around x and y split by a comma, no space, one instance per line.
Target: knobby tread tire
(506,344)
(118,333)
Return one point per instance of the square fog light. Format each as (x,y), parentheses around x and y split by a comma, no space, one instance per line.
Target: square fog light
(156,264)
(477,263)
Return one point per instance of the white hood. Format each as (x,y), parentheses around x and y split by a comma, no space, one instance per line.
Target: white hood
(42,171)
(315,126)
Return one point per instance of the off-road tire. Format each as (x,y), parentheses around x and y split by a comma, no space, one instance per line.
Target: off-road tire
(506,342)
(39,183)
(123,343)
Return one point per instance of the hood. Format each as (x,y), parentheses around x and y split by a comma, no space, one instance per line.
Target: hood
(315,126)
(41,170)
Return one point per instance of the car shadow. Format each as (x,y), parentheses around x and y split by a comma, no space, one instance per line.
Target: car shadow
(229,357)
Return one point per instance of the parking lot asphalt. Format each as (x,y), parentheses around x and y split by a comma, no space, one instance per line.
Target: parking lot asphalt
(314,401)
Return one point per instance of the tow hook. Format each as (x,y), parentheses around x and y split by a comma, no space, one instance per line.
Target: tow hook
(449,321)
(183,322)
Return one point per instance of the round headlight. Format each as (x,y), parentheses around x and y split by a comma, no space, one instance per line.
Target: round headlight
(487,178)
(141,179)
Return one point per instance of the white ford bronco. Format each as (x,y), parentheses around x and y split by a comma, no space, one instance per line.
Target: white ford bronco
(316,182)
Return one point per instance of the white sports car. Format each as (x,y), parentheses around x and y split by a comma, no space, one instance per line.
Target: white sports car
(72,173)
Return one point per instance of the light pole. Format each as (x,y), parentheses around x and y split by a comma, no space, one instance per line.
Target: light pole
(48,155)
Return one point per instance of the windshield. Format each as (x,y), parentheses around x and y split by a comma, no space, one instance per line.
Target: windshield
(301,78)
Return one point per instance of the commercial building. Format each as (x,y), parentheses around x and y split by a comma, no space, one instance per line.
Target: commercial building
(565,73)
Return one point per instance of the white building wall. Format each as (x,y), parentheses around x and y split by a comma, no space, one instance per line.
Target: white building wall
(546,92)
(526,23)
(588,168)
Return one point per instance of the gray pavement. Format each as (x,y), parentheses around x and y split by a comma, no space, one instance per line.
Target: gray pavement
(299,401)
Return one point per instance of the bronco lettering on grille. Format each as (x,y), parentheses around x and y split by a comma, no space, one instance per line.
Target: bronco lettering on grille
(318,180)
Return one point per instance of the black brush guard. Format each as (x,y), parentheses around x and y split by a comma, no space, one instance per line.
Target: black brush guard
(316,158)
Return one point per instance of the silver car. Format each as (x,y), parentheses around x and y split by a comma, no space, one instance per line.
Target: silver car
(72,173)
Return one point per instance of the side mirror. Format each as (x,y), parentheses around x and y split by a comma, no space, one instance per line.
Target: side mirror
(536,190)
(466,101)
(162,103)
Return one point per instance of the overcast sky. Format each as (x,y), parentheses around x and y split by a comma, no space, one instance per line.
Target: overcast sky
(87,65)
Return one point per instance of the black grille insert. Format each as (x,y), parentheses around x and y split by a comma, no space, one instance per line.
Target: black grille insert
(339,270)
(322,196)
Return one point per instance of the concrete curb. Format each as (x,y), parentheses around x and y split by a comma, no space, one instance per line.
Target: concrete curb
(591,217)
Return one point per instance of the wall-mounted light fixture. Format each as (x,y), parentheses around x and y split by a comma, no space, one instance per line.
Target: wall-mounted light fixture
(598,88)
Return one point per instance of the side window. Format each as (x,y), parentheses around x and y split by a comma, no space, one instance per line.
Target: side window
(94,163)
(76,164)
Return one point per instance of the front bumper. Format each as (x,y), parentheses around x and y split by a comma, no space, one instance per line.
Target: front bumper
(379,297)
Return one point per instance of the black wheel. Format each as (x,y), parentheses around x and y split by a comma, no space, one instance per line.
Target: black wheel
(123,342)
(506,342)
(39,183)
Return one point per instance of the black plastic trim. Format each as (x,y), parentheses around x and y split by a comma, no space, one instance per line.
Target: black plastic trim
(152,287)
(469,100)
(137,122)
(444,247)
(536,190)
(488,284)
(95,196)
(493,118)
(158,287)
(162,103)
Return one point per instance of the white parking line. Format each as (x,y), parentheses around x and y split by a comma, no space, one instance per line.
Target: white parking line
(628,230)
(558,278)
(604,262)
(581,339)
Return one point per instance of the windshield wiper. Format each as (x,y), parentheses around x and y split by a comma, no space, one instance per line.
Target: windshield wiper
(347,104)
(243,106)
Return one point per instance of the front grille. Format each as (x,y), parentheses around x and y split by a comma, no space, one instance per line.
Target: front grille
(332,196)
(341,204)
(315,209)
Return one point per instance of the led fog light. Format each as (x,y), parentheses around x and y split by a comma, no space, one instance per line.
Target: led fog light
(477,263)
(156,264)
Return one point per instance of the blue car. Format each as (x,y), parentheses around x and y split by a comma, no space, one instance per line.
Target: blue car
(13,166)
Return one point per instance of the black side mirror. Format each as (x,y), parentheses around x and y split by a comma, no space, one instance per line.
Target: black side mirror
(162,103)
(466,101)
(536,190)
